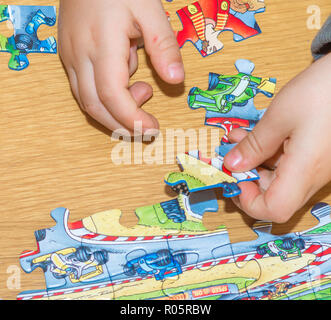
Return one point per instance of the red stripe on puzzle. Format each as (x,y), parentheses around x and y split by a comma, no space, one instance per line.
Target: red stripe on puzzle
(167,237)
(301,271)
(76,225)
(89,236)
(241,258)
(317,263)
(95,287)
(324,253)
(131,239)
(206,264)
(312,248)
(110,238)
(149,238)
(223,261)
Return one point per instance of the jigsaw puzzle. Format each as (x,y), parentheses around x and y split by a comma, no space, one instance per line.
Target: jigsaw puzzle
(229,104)
(26,20)
(170,254)
(97,258)
(204,20)
(229,99)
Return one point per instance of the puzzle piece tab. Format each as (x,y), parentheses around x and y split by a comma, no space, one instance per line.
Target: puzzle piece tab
(26,20)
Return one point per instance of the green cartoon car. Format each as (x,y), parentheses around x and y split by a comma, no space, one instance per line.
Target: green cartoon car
(282,248)
(224,92)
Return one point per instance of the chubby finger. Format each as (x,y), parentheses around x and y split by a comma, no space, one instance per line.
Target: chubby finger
(88,99)
(160,43)
(261,144)
(112,82)
(133,58)
(237,135)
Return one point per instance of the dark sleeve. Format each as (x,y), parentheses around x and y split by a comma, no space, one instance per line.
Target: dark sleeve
(321,45)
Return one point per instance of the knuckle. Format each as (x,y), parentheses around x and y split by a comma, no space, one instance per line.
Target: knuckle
(93,109)
(254,143)
(280,217)
(106,96)
(165,43)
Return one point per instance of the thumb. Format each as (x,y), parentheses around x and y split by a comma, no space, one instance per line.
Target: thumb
(160,43)
(259,145)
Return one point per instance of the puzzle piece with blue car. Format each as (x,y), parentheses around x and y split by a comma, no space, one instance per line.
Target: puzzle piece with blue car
(26,21)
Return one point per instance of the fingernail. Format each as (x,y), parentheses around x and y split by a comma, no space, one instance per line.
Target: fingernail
(176,70)
(234,158)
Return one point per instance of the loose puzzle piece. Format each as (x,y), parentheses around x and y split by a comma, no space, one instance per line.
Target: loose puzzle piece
(229,100)
(26,20)
(204,20)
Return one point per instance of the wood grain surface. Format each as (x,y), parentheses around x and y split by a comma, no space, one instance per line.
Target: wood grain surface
(53,155)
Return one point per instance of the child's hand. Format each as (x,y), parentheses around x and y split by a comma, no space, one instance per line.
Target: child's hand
(294,137)
(98,46)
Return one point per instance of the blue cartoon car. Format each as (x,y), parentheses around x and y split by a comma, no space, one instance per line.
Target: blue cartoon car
(162,264)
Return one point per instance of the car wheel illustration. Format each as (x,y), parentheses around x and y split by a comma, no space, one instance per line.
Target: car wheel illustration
(180,257)
(129,270)
(164,257)
(40,235)
(181,188)
(23,42)
(261,251)
(300,243)
(101,257)
(288,244)
(83,254)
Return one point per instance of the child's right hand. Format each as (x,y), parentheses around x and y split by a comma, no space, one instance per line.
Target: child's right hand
(98,47)
(293,140)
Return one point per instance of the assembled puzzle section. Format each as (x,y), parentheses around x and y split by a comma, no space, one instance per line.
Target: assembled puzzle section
(26,20)
(294,266)
(97,258)
(101,257)
(204,20)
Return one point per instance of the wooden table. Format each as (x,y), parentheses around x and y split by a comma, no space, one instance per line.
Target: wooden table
(52,155)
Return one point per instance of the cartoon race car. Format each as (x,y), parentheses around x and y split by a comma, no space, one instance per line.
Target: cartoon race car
(162,264)
(78,264)
(202,174)
(224,92)
(282,248)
